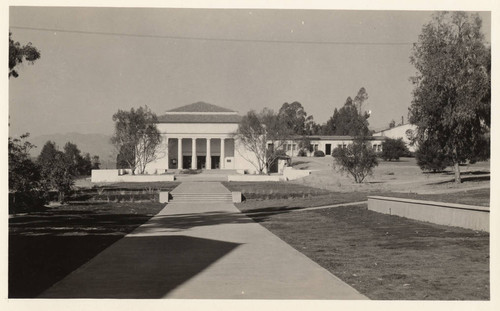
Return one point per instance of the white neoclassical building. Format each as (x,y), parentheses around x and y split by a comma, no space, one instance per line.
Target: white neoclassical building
(199,136)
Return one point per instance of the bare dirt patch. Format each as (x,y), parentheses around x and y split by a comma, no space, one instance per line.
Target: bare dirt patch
(402,176)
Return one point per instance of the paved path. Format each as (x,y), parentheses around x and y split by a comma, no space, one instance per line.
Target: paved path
(201,251)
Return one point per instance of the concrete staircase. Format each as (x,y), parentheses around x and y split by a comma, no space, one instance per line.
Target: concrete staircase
(201,198)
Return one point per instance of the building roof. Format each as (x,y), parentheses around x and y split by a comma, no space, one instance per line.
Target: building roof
(409,125)
(200,107)
(338,137)
(199,118)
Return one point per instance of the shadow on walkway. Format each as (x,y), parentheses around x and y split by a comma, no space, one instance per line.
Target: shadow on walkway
(141,267)
(180,222)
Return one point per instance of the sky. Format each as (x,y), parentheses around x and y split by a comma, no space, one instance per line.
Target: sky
(95,61)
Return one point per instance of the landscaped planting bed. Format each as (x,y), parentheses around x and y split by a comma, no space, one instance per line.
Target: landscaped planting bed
(122,192)
(273,190)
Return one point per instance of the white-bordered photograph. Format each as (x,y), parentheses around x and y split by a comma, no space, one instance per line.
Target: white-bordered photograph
(249,153)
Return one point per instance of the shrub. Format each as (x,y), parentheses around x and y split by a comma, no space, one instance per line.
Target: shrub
(430,158)
(302,153)
(357,159)
(319,153)
(393,149)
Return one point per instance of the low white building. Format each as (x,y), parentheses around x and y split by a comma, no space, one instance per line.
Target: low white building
(404,131)
(326,144)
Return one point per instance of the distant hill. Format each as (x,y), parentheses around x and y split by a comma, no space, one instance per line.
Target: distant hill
(95,144)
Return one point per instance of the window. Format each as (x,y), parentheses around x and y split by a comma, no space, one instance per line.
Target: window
(294,147)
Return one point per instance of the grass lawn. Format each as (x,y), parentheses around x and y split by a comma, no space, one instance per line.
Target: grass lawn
(389,257)
(46,246)
(255,205)
(478,197)
(272,196)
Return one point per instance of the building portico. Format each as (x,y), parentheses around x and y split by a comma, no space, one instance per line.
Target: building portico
(197,152)
(198,136)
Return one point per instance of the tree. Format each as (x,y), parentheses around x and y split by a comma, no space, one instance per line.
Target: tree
(357,159)
(294,117)
(348,120)
(47,155)
(451,104)
(360,99)
(96,163)
(24,175)
(264,135)
(22,171)
(85,166)
(430,158)
(57,169)
(136,134)
(74,158)
(392,124)
(19,53)
(393,149)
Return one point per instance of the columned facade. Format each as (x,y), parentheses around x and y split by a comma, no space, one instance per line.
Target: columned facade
(198,152)
(209,154)
(222,153)
(199,136)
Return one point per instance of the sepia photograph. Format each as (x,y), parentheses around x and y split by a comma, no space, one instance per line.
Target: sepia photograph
(249,154)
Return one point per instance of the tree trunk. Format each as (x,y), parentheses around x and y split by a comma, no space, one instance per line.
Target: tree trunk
(61,197)
(456,168)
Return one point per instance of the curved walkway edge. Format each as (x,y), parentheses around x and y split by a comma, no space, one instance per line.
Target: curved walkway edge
(206,251)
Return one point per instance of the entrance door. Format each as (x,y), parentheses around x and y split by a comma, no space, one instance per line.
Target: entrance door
(201,162)
(186,162)
(215,162)
(328,149)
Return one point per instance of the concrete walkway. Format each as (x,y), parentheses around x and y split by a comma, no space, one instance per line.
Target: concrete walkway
(201,251)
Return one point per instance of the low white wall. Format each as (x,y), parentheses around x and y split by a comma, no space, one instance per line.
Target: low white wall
(254,178)
(99,176)
(289,173)
(164,197)
(449,214)
(104,175)
(236,195)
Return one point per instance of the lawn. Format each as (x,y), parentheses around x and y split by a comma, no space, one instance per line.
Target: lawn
(389,257)
(46,246)
(478,197)
(272,196)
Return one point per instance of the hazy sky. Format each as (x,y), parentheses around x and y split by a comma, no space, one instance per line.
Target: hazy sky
(83,77)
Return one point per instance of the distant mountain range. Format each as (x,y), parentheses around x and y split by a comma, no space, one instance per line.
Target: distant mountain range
(95,144)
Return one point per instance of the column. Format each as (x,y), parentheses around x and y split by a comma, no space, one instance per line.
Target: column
(208,162)
(179,153)
(168,153)
(193,155)
(222,153)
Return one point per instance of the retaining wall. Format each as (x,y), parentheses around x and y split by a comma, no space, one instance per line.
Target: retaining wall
(450,214)
(254,177)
